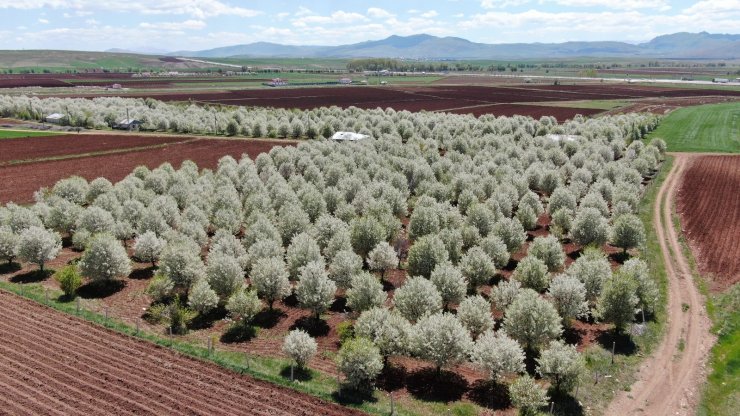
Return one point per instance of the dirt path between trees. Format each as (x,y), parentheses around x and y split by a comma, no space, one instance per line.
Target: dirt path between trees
(56,364)
(670,380)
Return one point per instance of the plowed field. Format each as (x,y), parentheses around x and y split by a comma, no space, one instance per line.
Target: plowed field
(18,182)
(75,144)
(709,205)
(55,364)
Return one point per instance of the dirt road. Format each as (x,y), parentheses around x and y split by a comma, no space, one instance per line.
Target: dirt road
(670,380)
(55,364)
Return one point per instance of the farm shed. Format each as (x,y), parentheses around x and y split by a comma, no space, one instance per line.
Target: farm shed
(128,124)
(348,136)
(562,137)
(345,81)
(55,118)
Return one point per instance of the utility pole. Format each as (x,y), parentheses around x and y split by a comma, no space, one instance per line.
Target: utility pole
(128,120)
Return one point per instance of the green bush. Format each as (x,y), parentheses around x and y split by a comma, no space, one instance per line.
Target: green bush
(346,331)
(69,280)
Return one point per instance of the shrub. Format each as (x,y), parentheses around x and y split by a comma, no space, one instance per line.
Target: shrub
(441,339)
(532,272)
(618,301)
(345,331)
(562,365)
(627,232)
(549,250)
(527,395)
(360,362)
(504,293)
(590,228)
(569,296)
(315,291)
(416,298)
(270,278)
(477,267)
(511,232)
(343,267)
(366,292)
(388,330)
(8,244)
(449,282)
(426,253)
(224,274)
(37,245)
(532,320)
(69,280)
(647,290)
(299,346)
(201,298)
(243,305)
(497,355)
(496,249)
(105,259)
(382,257)
(474,313)
(160,287)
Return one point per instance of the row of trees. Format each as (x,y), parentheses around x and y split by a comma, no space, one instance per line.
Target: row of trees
(320,216)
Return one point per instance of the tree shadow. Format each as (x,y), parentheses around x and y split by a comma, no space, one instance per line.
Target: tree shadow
(393,377)
(387,286)
(511,265)
(6,268)
(142,274)
(204,321)
(33,276)
(67,241)
(349,396)
(566,404)
(619,257)
(624,344)
(268,318)
(291,300)
(66,298)
(238,332)
(299,373)
(339,305)
(571,335)
(314,327)
(490,394)
(426,384)
(99,289)
(530,360)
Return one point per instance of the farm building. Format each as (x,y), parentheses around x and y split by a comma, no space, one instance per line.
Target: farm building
(115,86)
(55,118)
(721,80)
(128,124)
(348,136)
(277,82)
(345,81)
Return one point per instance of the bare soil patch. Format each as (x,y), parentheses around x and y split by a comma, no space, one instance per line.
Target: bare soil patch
(54,363)
(709,204)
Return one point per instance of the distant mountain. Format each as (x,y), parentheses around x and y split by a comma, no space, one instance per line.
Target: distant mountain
(422,46)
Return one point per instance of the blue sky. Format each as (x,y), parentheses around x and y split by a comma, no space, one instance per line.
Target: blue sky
(169,25)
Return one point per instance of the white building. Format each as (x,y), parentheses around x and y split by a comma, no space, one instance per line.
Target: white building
(348,136)
(55,118)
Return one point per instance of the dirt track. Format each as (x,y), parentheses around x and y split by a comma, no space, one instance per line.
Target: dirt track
(669,381)
(52,363)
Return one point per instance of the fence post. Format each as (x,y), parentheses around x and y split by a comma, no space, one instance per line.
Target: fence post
(393,410)
(552,405)
(614,344)
(46,295)
(137,326)
(210,341)
(291,372)
(106,315)
(78,305)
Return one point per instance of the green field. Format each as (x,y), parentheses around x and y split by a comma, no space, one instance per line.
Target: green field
(14,134)
(706,128)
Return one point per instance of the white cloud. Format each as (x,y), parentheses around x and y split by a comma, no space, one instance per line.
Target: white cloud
(44,21)
(500,4)
(337,18)
(186,25)
(619,5)
(430,14)
(196,8)
(379,13)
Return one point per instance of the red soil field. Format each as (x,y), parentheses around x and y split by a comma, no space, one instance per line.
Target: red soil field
(32,82)
(18,182)
(54,363)
(534,111)
(709,204)
(75,144)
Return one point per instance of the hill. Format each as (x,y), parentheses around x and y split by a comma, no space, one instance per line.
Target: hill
(678,45)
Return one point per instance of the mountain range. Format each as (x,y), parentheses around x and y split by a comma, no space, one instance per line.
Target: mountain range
(682,45)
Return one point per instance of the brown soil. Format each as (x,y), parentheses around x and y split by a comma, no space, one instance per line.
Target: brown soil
(665,105)
(54,363)
(709,204)
(18,182)
(669,381)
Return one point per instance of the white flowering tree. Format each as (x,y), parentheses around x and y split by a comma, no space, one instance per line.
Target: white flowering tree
(497,355)
(365,292)
(148,247)
(270,279)
(104,259)
(299,346)
(315,291)
(417,297)
(441,339)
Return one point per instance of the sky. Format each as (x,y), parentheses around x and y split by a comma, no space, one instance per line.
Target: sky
(174,25)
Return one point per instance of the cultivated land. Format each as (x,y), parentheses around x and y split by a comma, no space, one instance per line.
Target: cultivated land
(709,128)
(85,155)
(669,381)
(709,204)
(57,364)
(6,135)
